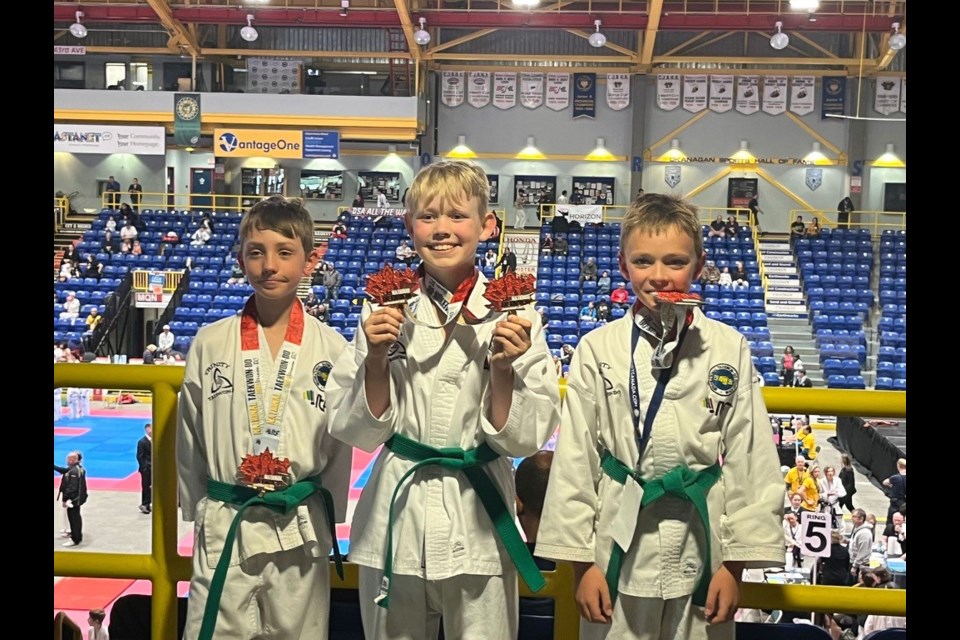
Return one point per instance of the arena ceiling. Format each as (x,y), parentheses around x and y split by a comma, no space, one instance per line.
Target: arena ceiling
(643,36)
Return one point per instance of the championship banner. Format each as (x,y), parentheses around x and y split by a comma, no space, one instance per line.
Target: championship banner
(272,75)
(887,98)
(903,95)
(584,95)
(374,212)
(721,93)
(774,95)
(668,91)
(478,88)
(618,91)
(748,94)
(671,175)
(694,93)
(504,90)
(186,118)
(582,213)
(558,91)
(531,90)
(813,178)
(802,94)
(451,88)
(834,99)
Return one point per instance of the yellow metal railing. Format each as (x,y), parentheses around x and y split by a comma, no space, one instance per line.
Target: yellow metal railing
(171,280)
(875,221)
(164,567)
(60,210)
(183,201)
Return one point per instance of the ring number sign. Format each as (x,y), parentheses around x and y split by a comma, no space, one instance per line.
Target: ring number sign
(815,534)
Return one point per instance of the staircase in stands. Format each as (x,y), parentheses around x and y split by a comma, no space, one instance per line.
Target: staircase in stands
(70,232)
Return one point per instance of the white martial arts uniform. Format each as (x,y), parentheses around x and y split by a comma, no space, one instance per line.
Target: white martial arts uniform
(57,404)
(277,585)
(520,213)
(73,402)
(447,558)
(85,395)
(709,409)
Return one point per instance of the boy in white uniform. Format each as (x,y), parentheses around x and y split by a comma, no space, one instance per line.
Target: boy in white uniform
(650,426)
(452,380)
(255,384)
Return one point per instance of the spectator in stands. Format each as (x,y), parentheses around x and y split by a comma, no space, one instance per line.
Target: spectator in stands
(70,253)
(559,224)
(171,237)
(331,279)
(125,247)
(531,480)
(791,539)
(322,313)
(717,228)
(490,260)
(813,229)
(797,229)
(165,341)
(588,271)
(357,201)
(848,480)
(589,312)
(787,360)
(563,199)
(136,249)
(892,535)
(128,234)
(339,231)
(508,261)
(111,225)
(726,280)
(566,352)
(860,545)
(68,269)
(112,188)
(800,378)
(897,488)
(843,212)
(733,227)
(620,297)
(127,215)
(382,202)
(405,253)
(71,308)
(546,247)
(560,245)
(310,302)
(604,283)
(831,491)
(739,275)
(795,507)
(755,211)
(92,321)
(148,354)
(200,237)
(236,275)
(795,476)
(136,193)
(710,275)
(603,311)
(97,630)
(92,268)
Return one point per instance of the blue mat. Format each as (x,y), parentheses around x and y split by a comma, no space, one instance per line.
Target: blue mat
(109,446)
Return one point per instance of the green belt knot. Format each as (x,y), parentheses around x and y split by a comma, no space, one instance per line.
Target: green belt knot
(677,481)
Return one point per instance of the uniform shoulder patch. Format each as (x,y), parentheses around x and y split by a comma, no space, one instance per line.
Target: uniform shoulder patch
(723,379)
(321,373)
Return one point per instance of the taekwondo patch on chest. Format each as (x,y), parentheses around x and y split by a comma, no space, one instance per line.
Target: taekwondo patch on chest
(608,388)
(219,383)
(321,373)
(723,379)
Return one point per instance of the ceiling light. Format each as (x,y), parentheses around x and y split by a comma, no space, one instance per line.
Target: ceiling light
(530,152)
(596,38)
(526,4)
(779,40)
(77,30)
(674,154)
(744,155)
(816,155)
(889,158)
(601,153)
(421,37)
(461,151)
(897,40)
(248,33)
(804,5)
(344,5)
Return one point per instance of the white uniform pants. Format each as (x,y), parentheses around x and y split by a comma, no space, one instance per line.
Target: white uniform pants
(521,218)
(656,619)
(57,407)
(284,595)
(473,607)
(73,401)
(85,401)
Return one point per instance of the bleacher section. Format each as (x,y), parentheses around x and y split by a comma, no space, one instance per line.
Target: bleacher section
(892,327)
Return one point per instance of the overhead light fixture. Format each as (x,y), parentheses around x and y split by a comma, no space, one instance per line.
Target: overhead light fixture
(889,158)
(392,149)
(816,155)
(344,5)
(897,40)
(779,40)
(804,5)
(674,154)
(526,4)
(744,155)
(77,30)
(530,152)
(601,153)
(421,37)
(248,33)
(461,151)
(596,38)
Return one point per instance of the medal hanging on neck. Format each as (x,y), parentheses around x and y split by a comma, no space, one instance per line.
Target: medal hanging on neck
(262,470)
(666,322)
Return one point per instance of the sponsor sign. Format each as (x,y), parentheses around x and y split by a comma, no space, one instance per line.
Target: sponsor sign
(321,144)
(107,139)
(257,143)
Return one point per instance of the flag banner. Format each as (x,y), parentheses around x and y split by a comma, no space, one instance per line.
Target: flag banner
(558,91)
(451,89)
(694,93)
(478,89)
(504,90)
(774,95)
(618,91)
(531,90)
(668,91)
(802,94)
(748,94)
(721,93)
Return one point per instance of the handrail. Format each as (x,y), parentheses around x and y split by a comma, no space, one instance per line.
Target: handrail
(164,566)
(161,201)
(876,221)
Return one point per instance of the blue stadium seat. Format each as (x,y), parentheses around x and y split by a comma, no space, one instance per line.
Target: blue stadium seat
(836,382)
(884,383)
(899,384)
(771,380)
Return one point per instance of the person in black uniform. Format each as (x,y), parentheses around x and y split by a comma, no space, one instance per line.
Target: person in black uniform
(73,493)
(145,467)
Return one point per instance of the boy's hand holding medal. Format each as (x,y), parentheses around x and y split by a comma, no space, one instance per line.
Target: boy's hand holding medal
(511,337)
(391,289)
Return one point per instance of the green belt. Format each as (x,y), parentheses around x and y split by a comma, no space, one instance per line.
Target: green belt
(680,482)
(470,462)
(281,501)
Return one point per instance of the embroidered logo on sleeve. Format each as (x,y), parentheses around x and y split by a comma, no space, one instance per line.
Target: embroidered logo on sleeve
(220,384)
(723,379)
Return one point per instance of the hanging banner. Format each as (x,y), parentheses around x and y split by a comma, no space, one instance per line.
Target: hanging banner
(618,91)
(582,213)
(671,174)
(531,90)
(186,118)
(774,95)
(748,94)
(802,94)
(668,91)
(721,93)
(109,139)
(903,95)
(834,100)
(694,93)
(451,90)
(887,98)
(558,91)
(273,75)
(584,95)
(504,90)
(478,88)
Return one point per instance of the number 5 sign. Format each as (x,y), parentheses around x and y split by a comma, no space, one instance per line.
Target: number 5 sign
(815,534)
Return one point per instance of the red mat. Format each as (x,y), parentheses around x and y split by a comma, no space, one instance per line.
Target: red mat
(69,431)
(84,594)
